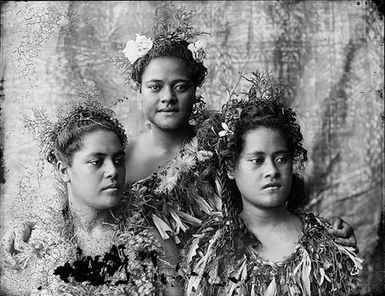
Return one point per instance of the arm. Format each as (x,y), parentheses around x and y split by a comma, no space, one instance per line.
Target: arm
(343,232)
(14,239)
(168,263)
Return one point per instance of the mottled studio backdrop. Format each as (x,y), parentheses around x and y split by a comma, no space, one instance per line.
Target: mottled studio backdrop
(330,53)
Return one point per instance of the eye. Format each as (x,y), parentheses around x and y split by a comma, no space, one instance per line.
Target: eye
(119,160)
(154,87)
(257,160)
(282,159)
(182,86)
(95,162)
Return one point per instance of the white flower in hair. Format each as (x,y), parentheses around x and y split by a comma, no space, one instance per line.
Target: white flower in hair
(226,130)
(198,49)
(138,48)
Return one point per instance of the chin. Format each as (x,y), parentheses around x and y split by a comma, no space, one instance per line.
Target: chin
(110,202)
(171,123)
(275,202)
(170,127)
(107,206)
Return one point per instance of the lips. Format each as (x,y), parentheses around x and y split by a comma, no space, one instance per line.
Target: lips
(271,185)
(168,110)
(111,186)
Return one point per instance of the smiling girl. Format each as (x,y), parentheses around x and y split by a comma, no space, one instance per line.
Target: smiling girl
(167,77)
(265,244)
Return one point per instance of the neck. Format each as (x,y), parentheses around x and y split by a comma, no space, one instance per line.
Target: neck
(171,140)
(257,218)
(86,218)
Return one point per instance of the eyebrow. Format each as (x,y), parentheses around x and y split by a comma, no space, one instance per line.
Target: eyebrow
(121,152)
(161,81)
(256,153)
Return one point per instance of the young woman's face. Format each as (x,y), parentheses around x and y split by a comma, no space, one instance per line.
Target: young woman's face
(265,169)
(168,93)
(97,174)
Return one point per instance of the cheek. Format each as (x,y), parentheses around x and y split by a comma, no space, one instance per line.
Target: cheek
(148,103)
(88,179)
(188,97)
(288,171)
(287,176)
(122,173)
(242,175)
(187,100)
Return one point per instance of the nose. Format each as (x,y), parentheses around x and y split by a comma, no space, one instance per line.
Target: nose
(111,171)
(168,96)
(270,169)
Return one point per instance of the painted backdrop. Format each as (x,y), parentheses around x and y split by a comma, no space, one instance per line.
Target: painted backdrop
(330,54)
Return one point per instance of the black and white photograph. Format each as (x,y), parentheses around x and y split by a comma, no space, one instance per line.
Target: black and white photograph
(192,148)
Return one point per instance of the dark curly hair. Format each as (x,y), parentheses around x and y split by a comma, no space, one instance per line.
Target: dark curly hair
(170,48)
(255,113)
(65,138)
(266,113)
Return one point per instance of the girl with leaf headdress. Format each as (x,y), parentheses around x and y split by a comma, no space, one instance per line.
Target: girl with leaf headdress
(85,248)
(264,244)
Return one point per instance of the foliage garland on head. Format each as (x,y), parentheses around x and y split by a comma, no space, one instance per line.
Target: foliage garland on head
(54,137)
(172,36)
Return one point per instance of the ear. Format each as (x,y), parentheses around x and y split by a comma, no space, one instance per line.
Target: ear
(230,172)
(62,169)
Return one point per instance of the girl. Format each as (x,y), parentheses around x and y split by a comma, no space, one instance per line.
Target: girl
(265,244)
(86,147)
(167,69)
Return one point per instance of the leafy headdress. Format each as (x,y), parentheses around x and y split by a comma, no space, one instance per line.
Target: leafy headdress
(50,134)
(172,35)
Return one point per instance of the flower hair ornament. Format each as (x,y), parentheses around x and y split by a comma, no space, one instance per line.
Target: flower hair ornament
(138,48)
(263,87)
(264,95)
(172,24)
(171,29)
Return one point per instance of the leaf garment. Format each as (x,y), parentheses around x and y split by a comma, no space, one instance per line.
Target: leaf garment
(54,264)
(317,265)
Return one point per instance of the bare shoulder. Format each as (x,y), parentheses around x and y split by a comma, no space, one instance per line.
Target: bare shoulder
(139,158)
(136,144)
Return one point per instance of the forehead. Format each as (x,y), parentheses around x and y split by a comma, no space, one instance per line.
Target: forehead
(166,68)
(263,139)
(100,141)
